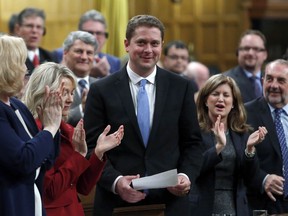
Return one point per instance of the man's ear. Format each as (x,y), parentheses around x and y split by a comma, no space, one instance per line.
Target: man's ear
(17,29)
(44,31)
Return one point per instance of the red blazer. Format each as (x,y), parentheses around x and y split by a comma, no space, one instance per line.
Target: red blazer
(71,174)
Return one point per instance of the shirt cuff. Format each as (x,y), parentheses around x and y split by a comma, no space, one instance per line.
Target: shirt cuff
(114,184)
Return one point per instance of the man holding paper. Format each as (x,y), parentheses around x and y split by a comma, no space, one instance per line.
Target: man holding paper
(162,133)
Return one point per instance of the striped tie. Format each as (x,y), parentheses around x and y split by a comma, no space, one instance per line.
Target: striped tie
(283,145)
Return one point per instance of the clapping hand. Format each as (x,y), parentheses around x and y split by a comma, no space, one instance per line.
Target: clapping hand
(105,143)
(256,137)
(78,139)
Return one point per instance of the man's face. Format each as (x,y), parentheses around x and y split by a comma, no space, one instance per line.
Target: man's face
(79,58)
(176,60)
(144,49)
(251,53)
(31,31)
(98,30)
(275,85)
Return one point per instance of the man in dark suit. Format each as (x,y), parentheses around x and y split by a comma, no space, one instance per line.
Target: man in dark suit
(31,27)
(94,22)
(251,55)
(174,141)
(79,50)
(261,112)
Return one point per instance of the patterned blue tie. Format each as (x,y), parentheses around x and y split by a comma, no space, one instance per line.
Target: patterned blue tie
(143,112)
(283,145)
(82,85)
(257,87)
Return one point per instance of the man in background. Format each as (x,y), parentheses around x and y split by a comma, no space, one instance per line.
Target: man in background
(176,59)
(199,73)
(104,64)
(31,27)
(251,55)
(271,111)
(79,50)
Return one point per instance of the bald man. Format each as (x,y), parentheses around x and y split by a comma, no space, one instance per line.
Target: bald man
(197,72)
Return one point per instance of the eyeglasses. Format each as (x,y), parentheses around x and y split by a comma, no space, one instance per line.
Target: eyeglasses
(176,57)
(99,33)
(255,49)
(31,26)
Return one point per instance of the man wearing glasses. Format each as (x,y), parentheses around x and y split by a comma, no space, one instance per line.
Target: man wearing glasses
(251,55)
(31,27)
(94,23)
(176,59)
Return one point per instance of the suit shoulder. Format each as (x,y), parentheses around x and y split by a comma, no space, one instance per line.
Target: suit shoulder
(231,72)
(110,57)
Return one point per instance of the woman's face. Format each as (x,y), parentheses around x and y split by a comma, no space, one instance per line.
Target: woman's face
(68,94)
(220,102)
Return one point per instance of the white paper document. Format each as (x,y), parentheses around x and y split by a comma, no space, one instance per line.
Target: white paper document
(160,180)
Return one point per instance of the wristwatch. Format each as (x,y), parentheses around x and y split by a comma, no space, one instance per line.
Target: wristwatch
(250,154)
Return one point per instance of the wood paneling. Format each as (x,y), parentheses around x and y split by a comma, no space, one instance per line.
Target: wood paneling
(210,28)
(61,17)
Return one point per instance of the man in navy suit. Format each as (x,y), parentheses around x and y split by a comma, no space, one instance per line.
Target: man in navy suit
(79,51)
(174,141)
(94,22)
(251,55)
(261,112)
(31,27)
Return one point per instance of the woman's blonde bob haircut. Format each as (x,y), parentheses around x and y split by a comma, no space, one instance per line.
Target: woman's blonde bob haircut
(236,118)
(47,74)
(13,53)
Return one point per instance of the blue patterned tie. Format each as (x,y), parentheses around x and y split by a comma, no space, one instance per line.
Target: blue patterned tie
(257,87)
(283,145)
(143,112)
(82,85)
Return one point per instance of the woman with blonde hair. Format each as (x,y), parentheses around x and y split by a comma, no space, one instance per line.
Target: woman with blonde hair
(229,152)
(72,173)
(25,152)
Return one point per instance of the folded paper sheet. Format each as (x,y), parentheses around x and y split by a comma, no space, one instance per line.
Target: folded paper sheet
(160,180)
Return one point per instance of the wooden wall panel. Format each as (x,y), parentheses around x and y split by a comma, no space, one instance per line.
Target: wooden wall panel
(210,28)
(61,17)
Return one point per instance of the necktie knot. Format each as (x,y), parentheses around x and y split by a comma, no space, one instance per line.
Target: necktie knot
(35,60)
(278,111)
(256,85)
(143,83)
(82,83)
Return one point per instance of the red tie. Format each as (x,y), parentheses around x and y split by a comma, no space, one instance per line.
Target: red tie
(35,60)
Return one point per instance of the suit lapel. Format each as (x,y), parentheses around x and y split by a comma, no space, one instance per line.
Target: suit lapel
(123,90)
(162,86)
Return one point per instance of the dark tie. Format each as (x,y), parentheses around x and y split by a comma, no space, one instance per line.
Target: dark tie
(283,145)
(256,86)
(82,85)
(35,60)
(143,112)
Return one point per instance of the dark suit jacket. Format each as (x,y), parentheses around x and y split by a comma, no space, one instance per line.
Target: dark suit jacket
(45,56)
(202,194)
(75,114)
(20,157)
(174,142)
(71,174)
(244,83)
(269,154)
